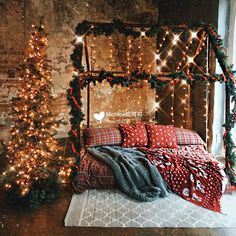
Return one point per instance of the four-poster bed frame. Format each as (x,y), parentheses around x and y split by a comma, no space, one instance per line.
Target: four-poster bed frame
(82,78)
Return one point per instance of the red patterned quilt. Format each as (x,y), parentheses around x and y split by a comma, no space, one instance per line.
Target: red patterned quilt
(191,172)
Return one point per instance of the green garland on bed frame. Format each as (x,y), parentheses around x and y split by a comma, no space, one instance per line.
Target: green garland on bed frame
(78,83)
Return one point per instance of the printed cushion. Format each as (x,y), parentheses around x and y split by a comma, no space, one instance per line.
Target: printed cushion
(93,173)
(134,135)
(187,137)
(161,136)
(102,136)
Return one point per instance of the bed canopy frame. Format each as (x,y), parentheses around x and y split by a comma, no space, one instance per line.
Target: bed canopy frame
(207,36)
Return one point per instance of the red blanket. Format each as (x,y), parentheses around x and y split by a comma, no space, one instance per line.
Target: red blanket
(191,172)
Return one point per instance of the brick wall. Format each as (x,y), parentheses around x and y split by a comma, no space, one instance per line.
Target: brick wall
(12,40)
(60,19)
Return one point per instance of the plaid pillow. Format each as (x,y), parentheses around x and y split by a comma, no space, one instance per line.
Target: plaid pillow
(186,137)
(134,135)
(161,136)
(102,136)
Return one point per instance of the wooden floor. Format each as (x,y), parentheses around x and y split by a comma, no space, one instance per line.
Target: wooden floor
(48,220)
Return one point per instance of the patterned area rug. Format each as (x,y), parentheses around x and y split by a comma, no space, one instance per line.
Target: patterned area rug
(111,208)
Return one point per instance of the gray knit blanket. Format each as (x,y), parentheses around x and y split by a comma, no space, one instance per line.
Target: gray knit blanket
(134,174)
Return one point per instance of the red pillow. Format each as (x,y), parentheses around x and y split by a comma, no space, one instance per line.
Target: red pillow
(102,136)
(161,136)
(134,135)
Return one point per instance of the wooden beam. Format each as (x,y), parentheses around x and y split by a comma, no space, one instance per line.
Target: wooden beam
(212,66)
(88,86)
(141,25)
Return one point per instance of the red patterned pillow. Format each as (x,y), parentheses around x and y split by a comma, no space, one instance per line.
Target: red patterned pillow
(102,136)
(187,137)
(134,135)
(93,173)
(161,136)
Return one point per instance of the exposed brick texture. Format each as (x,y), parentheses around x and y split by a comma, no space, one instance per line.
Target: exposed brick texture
(60,19)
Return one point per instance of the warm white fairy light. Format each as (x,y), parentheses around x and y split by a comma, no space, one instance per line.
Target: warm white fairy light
(93,52)
(164,63)
(184,102)
(157,56)
(140,47)
(158,105)
(184,82)
(207,47)
(185,51)
(149,68)
(111,54)
(128,55)
(12,168)
(79,39)
(139,97)
(32,147)
(172,103)
(194,34)
(208,85)
(143,33)
(75,73)
(169,53)
(175,39)
(190,59)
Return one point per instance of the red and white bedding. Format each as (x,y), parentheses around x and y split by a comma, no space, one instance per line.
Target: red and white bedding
(191,172)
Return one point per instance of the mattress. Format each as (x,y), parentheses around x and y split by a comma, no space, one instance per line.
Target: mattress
(96,174)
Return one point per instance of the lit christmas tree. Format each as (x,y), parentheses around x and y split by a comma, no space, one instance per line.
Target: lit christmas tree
(33,152)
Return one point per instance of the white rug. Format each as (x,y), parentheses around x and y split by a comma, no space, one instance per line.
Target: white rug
(111,208)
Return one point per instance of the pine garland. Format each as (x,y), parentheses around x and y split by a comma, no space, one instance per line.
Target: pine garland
(79,82)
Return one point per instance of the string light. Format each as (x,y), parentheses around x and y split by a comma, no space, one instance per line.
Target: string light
(79,39)
(184,55)
(143,33)
(194,34)
(32,147)
(128,55)
(158,105)
(164,63)
(175,39)
(157,56)
(93,52)
(141,53)
(207,110)
(184,102)
(149,68)
(169,53)
(190,59)
(111,54)
(139,97)
(172,103)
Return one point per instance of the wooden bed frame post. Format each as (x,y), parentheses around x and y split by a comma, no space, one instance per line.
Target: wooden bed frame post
(88,86)
(227,112)
(211,63)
